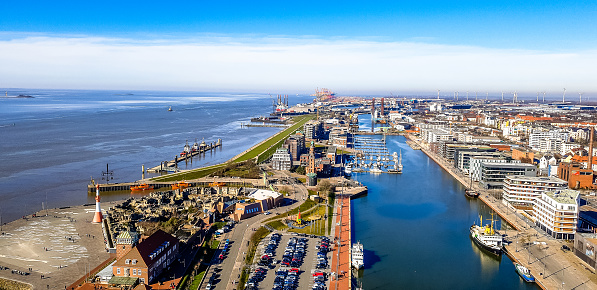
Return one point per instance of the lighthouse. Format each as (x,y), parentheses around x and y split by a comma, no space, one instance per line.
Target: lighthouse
(97,218)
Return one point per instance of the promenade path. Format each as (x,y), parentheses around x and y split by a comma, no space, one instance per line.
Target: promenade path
(341,277)
(527,244)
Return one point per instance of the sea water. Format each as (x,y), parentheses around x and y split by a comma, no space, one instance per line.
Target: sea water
(52,145)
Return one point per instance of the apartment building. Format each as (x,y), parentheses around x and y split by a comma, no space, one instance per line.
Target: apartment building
(556,212)
(520,192)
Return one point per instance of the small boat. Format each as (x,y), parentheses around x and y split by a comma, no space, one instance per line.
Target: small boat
(375,169)
(141,187)
(170,109)
(357,257)
(486,238)
(180,185)
(471,193)
(195,146)
(524,273)
(186,150)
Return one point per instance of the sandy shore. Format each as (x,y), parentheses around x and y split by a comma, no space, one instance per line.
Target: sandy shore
(60,245)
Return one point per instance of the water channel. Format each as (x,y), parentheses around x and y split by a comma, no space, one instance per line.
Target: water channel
(415,230)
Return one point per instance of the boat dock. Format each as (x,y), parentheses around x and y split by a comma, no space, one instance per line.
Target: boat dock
(185,158)
(341,264)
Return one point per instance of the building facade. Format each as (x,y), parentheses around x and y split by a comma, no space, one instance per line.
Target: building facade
(556,212)
(520,192)
(281,160)
(493,174)
(147,260)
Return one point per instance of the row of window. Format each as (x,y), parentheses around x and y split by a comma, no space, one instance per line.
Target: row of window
(136,272)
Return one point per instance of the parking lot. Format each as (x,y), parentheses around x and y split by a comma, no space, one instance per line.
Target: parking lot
(291,261)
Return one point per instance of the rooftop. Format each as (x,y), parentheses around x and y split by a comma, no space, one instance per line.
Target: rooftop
(564,196)
(535,179)
(261,194)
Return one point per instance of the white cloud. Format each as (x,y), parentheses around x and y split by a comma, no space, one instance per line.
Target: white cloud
(260,64)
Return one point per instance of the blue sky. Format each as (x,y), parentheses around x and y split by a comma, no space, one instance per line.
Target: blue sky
(527,37)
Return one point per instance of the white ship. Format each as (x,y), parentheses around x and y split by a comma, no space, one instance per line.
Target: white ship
(486,238)
(357,257)
(348,169)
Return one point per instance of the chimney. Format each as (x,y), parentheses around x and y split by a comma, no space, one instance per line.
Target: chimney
(590,165)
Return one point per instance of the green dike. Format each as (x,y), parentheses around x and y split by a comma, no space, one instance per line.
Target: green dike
(262,151)
(270,146)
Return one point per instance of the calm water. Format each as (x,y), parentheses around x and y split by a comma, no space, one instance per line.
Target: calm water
(52,145)
(415,229)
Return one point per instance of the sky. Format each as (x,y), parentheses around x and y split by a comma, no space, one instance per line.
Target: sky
(347,46)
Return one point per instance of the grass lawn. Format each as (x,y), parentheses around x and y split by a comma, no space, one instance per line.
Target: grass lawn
(196,281)
(277,225)
(308,204)
(318,227)
(280,137)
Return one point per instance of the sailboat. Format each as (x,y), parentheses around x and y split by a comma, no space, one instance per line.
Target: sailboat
(397,168)
(470,192)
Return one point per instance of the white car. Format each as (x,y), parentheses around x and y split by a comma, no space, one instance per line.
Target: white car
(267,212)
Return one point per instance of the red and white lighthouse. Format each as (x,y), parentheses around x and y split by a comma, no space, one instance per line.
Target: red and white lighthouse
(98,211)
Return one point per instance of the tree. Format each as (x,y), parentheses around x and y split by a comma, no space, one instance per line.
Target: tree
(326,187)
(300,170)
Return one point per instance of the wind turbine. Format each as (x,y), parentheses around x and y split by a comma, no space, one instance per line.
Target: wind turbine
(438,94)
(502,96)
(580,98)
(564,96)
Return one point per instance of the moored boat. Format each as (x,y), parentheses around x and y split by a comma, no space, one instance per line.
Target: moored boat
(357,257)
(524,273)
(486,238)
(471,193)
(186,150)
(141,187)
(180,185)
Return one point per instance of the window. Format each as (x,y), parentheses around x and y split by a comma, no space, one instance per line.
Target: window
(142,280)
(135,262)
(117,270)
(127,261)
(134,271)
(139,272)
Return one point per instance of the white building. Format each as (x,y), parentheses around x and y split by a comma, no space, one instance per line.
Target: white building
(547,141)
(475,165)
(282,160)
(521,191)
(556,212)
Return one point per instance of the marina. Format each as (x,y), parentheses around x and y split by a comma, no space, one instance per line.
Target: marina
(187,155)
